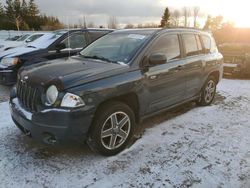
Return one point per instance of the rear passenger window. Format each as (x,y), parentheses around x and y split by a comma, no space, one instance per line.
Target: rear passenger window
(192,44)
(169,45)
(198,41)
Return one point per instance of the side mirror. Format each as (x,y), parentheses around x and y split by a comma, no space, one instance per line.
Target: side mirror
(157,59)
(60,46)
(28,40)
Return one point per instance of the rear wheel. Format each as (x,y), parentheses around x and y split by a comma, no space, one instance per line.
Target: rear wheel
(112,129)
(208,92)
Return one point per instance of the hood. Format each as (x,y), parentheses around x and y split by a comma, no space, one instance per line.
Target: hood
(70,72)
(15,52)
(8,44)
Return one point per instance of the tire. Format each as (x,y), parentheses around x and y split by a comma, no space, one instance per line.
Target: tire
(114,125)
(208,92)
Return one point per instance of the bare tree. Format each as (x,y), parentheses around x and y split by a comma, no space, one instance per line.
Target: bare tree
(112,22)
(176,15)
(147,25)
(196,11)
(129,26)
(14,12)
(79,24)
(186,14)
(150,25)
(91,25)
(84,22)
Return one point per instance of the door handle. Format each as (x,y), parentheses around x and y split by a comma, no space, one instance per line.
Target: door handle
(152,77)
(180,67)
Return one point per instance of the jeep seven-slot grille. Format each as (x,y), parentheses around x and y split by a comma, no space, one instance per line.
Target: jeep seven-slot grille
(27,95)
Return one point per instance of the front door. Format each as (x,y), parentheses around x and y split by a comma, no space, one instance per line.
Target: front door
(165,83)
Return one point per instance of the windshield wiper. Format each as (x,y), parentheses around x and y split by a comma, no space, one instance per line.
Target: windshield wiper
(100,58)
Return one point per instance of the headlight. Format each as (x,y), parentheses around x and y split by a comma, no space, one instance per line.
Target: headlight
(71,100)
(7,62)
(51,95)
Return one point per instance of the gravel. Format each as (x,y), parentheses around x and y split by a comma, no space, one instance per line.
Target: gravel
(4,93)
(186,147)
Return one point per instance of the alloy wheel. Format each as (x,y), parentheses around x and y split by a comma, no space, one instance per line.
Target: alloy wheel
(115,130)
(209,91)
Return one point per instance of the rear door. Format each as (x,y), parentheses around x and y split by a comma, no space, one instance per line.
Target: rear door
(165,83)
(194,63)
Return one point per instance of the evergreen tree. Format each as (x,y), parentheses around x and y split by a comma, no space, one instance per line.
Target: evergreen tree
(1,15)
(165,18)
(33,9)
(24,14)
(25,9)
(14,12)
(1,9)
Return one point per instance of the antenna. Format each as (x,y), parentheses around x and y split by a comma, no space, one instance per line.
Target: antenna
(68,37)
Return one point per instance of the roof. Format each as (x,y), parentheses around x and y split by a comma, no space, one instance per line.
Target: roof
(83,29)
(149,31)
(143,31)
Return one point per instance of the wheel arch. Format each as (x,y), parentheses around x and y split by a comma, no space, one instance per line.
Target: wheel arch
(130,99)
(215,74)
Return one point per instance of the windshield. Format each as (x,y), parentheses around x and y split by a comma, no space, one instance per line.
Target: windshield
(115,47)
(33,37)
(46,40)
(23,37)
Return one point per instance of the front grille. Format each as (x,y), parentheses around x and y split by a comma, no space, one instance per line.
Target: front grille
(28,96)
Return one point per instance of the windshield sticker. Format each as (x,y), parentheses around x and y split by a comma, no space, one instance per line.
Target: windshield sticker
(136,36)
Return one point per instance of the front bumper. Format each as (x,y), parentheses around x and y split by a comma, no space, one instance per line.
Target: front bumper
(8,77)
(52,125)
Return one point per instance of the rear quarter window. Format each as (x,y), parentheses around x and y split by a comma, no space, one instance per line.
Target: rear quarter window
(209,44)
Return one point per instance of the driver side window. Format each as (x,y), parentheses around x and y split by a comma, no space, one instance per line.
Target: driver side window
(75,41)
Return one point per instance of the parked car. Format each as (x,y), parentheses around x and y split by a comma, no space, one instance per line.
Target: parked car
(14,38)
(117,81)
(25,39)
(62,43)
(236,58)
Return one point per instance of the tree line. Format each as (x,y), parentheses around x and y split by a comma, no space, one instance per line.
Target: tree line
(186,17)
(25,15)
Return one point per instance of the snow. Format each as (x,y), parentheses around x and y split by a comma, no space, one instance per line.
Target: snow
(44,41)
(16,52)
(18,43)
(188,146)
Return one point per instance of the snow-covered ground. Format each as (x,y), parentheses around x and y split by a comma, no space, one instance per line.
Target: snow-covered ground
(189,146)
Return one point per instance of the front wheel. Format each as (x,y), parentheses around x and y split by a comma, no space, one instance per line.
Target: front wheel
(113,127)
(208,92)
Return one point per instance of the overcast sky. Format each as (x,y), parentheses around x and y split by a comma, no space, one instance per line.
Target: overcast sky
(133,11)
